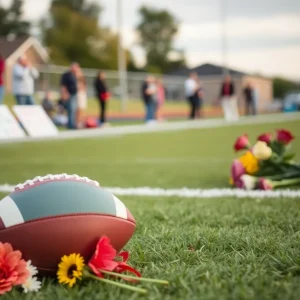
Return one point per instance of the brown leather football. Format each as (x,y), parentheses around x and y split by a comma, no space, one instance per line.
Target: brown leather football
(56,215)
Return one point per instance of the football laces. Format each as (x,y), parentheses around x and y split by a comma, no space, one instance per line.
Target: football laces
(50,177)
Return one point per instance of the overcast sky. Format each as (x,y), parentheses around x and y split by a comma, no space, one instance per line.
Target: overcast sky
(263,35)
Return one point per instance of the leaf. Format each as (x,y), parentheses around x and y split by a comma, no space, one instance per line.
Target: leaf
(288,156)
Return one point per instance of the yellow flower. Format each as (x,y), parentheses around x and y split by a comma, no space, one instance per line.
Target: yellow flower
(70,269)
(250,163)
(231,182)
(261,151)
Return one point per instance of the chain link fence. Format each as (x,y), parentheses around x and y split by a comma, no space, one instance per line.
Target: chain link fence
(50,80)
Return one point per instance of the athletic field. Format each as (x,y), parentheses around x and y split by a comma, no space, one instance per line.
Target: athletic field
(208,248)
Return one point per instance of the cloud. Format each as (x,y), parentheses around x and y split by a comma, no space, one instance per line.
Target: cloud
(244,27)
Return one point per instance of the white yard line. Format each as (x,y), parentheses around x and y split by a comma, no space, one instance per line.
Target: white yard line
(189,193)
(160,127)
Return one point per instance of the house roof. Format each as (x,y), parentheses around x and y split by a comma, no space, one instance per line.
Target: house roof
(8,47)
(12,49)
(207,70)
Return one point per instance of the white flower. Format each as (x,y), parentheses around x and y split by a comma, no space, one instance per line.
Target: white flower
(249,182)
(262,151)
(31,285)
(32,269)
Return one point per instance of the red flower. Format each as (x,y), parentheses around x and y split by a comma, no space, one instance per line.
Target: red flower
(123,267)
(241,143)
(103,258)
(266,137)
(284,136)
(13,269)
(265,184)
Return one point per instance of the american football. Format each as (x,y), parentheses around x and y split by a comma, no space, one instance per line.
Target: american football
(55,215)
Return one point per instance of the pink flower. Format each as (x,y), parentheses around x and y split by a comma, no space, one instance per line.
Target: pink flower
(284,136)
(239,184)
(266,137)
(265,184)
(13,269)
(241,143)
(237,170)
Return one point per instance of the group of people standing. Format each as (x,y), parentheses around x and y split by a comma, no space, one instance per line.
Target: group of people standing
(228,98)
(153,95)
(74,93)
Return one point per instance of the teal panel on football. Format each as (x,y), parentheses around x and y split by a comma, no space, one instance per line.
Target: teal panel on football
(63,197)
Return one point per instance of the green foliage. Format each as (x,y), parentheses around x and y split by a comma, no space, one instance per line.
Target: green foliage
(83,7)
(283,86)
(11,20)
(72,33)
(157,30)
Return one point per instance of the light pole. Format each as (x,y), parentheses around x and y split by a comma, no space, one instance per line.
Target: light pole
(121,57)
(223,10)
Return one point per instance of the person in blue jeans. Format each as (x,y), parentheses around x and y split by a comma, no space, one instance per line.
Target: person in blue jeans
(24,100)
(148,95)
(24,75)
(69,94)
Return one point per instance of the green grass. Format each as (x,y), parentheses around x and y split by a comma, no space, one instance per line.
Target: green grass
(207,248)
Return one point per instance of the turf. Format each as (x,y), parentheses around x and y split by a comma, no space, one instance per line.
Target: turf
(207,248)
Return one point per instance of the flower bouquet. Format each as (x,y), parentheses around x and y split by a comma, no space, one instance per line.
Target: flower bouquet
(266,165)
(103,266)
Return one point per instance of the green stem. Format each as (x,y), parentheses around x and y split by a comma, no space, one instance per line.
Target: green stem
(286,182)
(125,286)
(135,277)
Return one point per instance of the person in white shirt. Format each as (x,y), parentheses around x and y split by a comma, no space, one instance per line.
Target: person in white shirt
(191,88)
(23,81)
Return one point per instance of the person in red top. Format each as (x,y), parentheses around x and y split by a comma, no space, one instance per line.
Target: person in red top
(229,100)
(2,69)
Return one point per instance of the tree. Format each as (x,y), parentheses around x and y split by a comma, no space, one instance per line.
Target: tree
(283,86)
(157,30)
(72,33)
(90,10)
(11,20)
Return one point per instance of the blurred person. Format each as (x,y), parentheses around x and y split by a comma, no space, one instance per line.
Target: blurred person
(81,97)
(60,116)
(102,95)
(249,95)
(69,92)
(24,75)
(2,70)
(229,100)
(149,98)
(160,99)
(47,104)
(255,94)
(191,92)
(199,100)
